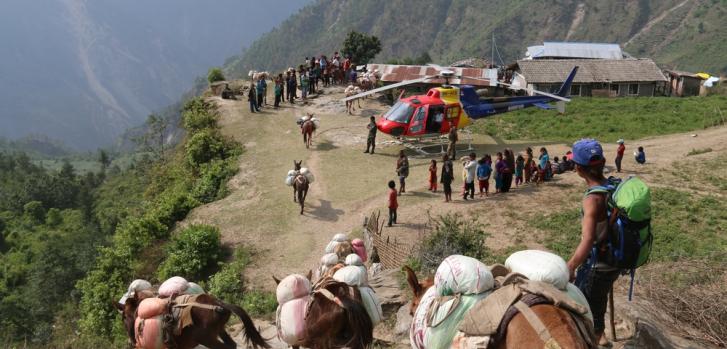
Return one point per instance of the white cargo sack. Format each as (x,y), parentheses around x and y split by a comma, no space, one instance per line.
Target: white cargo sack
(327,262)
(539,265)
(337,239)
(290,320)
(575,294)
(444,322)
(174,285)
(289,180)
(135,286)
(292,287)
(352,276)
(372,304)
(462,275)
(292,173)
(354,259)
(418,328)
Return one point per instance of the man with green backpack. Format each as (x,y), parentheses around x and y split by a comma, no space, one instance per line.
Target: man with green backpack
(615,230)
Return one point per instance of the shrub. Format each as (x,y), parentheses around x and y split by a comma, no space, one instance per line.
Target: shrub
(215,74)
(452,234)
(204,146)
(174,206)
(259,303)
(213,177)
(34,210)
(192,252)
(227,284)
(195,120)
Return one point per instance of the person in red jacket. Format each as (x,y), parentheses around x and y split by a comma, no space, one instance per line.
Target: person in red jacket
(393,203)
(620,154)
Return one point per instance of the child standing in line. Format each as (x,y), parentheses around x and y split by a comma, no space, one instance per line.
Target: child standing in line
(484,170)
(640,156)
(433,176)
(555,167)
(393,203)
(519,167)
(498,176)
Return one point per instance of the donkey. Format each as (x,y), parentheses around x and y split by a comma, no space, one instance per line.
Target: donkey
(307,130)
(208,325)
(300,186)
(520,333)
(336,318)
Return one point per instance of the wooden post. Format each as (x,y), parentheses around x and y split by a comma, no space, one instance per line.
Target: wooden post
(611,307)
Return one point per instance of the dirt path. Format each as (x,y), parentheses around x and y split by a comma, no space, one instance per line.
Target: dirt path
(259,212)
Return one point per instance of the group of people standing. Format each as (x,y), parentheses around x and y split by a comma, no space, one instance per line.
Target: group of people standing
(306,78)
(506,169)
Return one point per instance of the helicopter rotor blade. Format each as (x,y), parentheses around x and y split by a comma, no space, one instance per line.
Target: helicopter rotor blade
(546,94)
(389,87)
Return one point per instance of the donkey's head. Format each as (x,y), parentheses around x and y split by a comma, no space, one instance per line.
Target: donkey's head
(418,288)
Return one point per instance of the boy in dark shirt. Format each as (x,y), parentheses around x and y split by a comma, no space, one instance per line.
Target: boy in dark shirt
(371,140)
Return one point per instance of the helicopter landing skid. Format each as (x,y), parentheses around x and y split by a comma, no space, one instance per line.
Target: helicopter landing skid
(422,144)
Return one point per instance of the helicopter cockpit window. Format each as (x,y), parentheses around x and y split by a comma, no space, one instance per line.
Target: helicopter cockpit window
(400,112)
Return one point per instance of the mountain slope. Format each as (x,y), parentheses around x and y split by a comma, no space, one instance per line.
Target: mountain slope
(84,71)
(683,34)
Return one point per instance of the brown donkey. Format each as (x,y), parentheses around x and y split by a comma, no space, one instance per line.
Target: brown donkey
(208,324)
(520,333)
(300,186)
(336,318)
(307,130)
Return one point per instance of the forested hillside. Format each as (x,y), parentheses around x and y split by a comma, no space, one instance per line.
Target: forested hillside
(682,34)
(69,243)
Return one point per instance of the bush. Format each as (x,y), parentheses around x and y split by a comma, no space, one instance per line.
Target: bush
(213,177)
(204,146)
(34,210)
(227,284)
(192,252)
(452,234)
(259,303)
(215,74)
(196,120)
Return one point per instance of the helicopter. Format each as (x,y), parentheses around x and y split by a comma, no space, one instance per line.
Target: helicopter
(442,108)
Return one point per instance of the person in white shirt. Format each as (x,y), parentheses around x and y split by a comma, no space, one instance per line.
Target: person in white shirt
(469,183)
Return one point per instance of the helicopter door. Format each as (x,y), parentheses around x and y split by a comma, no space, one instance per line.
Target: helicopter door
(416,127)
(435,118)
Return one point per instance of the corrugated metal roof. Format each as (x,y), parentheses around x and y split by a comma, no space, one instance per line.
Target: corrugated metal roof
(590,70)
(396,73)
(575,50)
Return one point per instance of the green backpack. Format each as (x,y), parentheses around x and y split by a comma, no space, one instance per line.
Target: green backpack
(629,212)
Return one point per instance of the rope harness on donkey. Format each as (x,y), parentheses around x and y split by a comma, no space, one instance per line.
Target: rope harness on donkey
(516,294)
(175,317)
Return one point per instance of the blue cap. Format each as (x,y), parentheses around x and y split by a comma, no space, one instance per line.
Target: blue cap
(587,152)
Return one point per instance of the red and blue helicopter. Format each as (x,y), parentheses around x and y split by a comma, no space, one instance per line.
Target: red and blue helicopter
(442,108)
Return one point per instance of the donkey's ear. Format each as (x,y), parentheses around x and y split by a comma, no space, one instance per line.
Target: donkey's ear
(411,278)
(310,275)
(277,281)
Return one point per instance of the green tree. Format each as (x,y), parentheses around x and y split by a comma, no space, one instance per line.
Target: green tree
(104,159)
(152,139)
(35,211)
(67,171)
(215,74)
(361,47)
